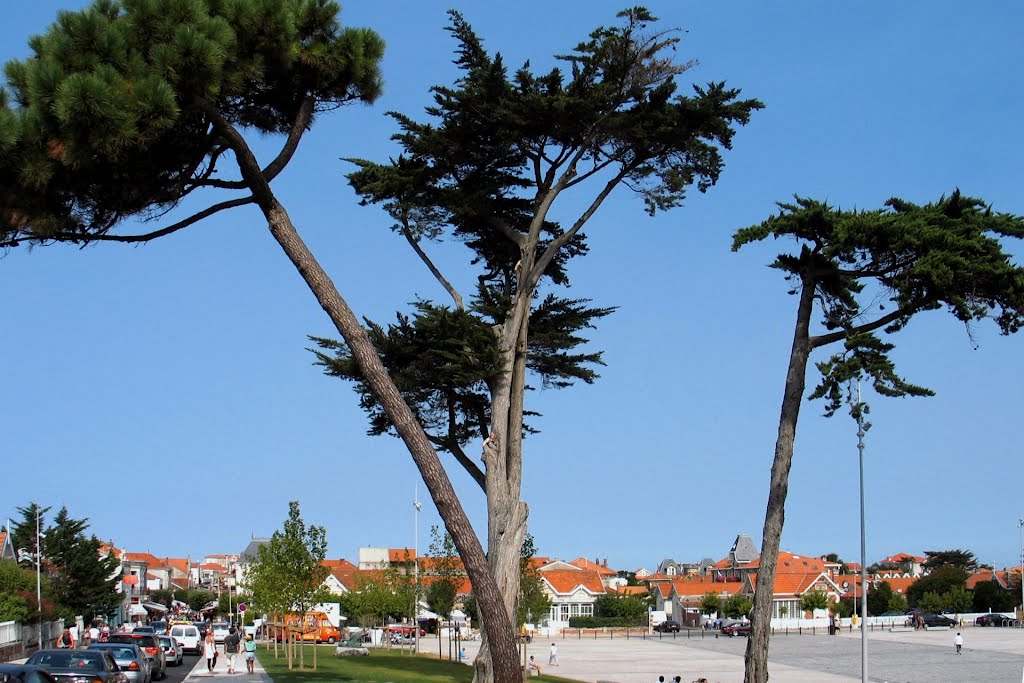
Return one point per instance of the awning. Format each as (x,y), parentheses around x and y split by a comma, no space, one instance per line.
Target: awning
(136,610)
(155,606)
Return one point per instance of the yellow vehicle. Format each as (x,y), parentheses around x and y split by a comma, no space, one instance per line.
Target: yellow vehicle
(315,628)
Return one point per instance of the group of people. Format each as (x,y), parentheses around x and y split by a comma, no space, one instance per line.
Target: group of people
(679,679)
(233,646)
(72,637)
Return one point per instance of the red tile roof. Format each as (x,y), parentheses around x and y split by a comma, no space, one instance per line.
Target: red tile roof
(567,581)
(401,555)
(791,583)
(899,558)
(584,563)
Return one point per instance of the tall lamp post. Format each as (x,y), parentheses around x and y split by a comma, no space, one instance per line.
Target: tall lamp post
(416,569)
(1020,525)
(39,584)
(863,546)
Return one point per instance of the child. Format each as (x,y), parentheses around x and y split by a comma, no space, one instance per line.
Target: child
(250,653)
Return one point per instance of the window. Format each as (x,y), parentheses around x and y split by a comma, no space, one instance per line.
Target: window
(587,610)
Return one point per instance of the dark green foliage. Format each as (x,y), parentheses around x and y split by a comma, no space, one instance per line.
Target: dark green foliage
(441,597)
(112,116)
(533,603)
(990,596)
(737,606)
(915,258)
(710,603)
(939,582)
(23,532)
(605,622)
(84,583)
(813,600)
(879,596)
(629,610)
(18,598)
(498,151)
(961,559)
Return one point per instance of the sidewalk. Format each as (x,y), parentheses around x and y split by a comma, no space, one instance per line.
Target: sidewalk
(221,671)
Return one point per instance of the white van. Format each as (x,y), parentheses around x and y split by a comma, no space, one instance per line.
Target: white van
(188,637)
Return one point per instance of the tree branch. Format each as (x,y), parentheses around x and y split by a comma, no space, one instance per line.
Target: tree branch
(563,239)
(414,243)
(471,467)
(299,126)
(194,218)
(824,339)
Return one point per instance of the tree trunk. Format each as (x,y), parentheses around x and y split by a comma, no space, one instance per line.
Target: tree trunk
(506,513)
(489,599)
(771,537)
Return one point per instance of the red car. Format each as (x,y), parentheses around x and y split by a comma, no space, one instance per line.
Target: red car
(740,629)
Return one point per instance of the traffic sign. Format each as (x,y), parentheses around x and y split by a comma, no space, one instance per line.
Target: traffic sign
(242,607)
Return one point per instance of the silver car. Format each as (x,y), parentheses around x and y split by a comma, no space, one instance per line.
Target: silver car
(130,659)
(175,653)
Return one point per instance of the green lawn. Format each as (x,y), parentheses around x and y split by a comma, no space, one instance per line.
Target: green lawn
(382,666)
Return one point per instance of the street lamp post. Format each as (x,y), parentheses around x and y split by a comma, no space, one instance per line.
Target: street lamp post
(39,583)
(863,546)
(416,569)
(1020,525)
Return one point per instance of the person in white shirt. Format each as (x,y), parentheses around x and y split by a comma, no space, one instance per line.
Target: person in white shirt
(959,643)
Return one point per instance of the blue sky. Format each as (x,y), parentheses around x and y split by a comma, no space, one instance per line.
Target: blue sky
(165,392)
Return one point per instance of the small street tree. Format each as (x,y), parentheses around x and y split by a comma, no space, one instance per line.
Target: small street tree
(909,258)
(957,599)
(813,600)
(879,597)
(288,573)
(931,602)
(737,606)
(711,603)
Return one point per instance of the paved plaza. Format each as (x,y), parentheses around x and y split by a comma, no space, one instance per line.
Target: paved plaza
(990,655)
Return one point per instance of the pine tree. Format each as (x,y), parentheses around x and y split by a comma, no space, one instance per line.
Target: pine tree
(85,583)
(914,259)
(501,148)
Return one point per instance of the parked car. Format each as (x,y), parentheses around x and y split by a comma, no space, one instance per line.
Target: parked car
(936,620)
(188,637)
(150,645)
(994,619)
(72,666)
(23,673)
(667,626)
(173,653)
(130,659)
(737,629)
(220,631)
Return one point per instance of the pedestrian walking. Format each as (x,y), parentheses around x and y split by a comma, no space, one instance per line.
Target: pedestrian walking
(250,653)
(231,643)
(959,643)
(553,657)
(210,651)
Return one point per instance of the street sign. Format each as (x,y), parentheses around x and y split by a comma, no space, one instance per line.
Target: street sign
(242,607)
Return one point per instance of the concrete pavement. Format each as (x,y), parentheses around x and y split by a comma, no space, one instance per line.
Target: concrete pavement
(990,654)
